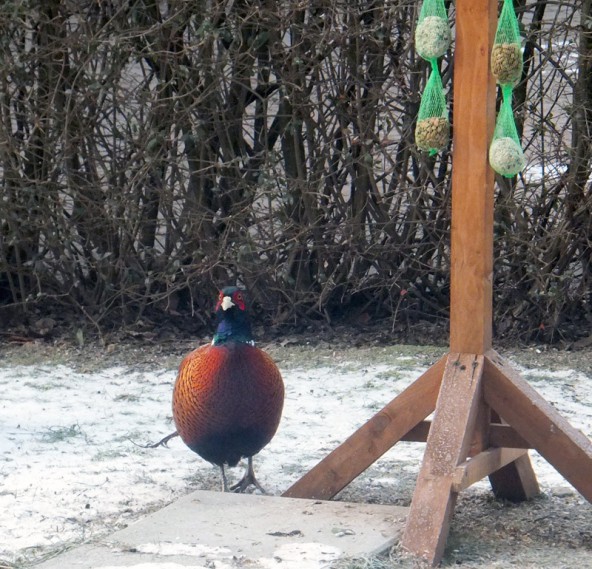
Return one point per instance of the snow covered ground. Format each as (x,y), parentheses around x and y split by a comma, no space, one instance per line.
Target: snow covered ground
(70,471)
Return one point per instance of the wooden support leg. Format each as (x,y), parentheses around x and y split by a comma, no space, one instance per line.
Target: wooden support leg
(371,440)
(566,448)
(515,481)
(448,445)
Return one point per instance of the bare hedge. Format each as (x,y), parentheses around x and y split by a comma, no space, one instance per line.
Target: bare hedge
(151,151)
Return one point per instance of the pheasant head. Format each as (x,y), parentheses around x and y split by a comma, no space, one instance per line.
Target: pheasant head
(233,318)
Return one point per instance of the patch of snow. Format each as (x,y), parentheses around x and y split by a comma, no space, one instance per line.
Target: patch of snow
(156,566)
(69,470)
(301,556)
(534,173)
(189,549)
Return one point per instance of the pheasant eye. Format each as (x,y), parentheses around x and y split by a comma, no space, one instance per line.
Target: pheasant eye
(238,298)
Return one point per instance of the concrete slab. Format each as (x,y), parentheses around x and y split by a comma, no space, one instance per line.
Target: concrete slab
(226,531)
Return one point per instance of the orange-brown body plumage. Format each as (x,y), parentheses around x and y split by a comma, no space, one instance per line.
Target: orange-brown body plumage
(227,401)
(229,395)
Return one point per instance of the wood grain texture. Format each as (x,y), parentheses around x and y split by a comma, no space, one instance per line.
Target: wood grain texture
(499,435)
(448,444)
(516,481)
(506,436)
(371,440)
(472,179)
(565,447)
(482,465)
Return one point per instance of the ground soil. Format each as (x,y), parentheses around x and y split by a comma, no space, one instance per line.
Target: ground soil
(554,530)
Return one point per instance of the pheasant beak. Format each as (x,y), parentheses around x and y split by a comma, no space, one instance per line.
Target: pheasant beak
(226,303)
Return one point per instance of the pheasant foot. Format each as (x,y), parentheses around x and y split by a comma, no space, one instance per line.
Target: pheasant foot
(248,480)
(163,442)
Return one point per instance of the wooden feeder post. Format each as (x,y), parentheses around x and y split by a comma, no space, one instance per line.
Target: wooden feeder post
(486,416)
(462,418)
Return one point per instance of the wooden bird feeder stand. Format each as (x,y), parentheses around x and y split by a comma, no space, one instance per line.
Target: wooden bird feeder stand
(486,416)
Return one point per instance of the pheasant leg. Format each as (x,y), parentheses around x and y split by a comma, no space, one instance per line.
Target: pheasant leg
(224,479)
(247,480)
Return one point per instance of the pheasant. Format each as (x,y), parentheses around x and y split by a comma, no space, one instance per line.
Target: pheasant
(229,395)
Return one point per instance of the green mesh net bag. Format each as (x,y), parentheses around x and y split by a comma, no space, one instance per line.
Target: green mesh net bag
(505,153)
(506,55)
(432,130)
(432,34)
